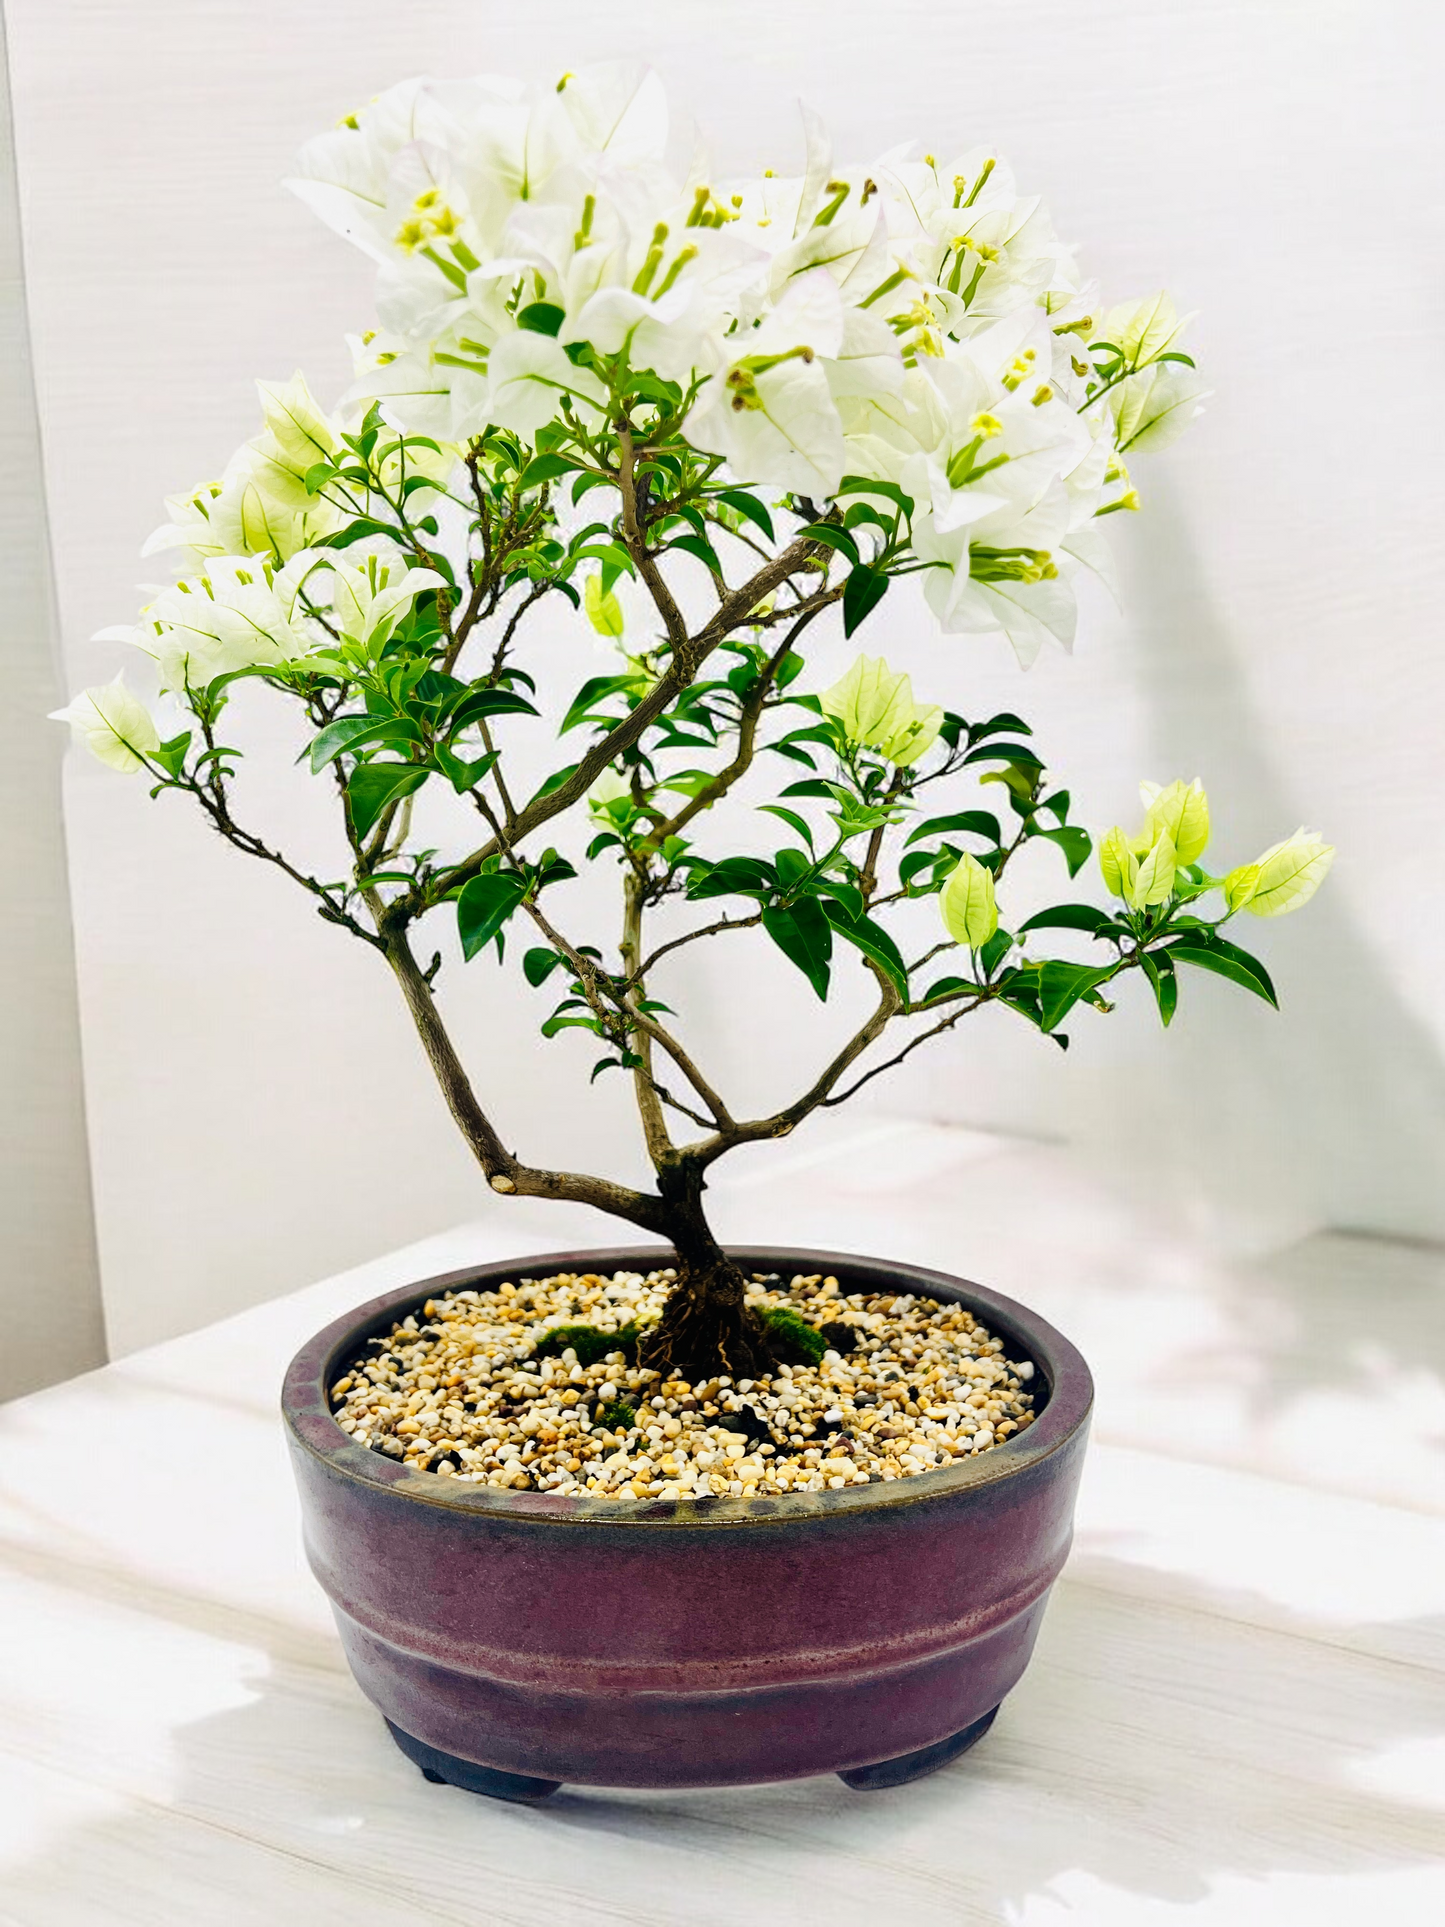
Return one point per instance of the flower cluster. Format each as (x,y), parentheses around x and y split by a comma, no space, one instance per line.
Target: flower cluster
(914,322)
(1161,861)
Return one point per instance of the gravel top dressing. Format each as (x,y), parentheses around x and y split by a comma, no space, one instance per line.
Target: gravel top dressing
(535,1386)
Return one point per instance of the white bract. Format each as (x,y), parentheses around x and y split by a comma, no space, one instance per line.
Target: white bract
(1145,869)
(970,913)
(112,723)
(368,598)
(875,710)
(1285,877)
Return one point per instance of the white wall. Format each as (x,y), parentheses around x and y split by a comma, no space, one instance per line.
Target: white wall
(50,1309)
(259,1113)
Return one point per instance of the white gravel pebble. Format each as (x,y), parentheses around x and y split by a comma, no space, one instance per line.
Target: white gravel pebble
(456,1390)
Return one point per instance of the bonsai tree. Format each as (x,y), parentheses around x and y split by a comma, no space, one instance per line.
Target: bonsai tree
(760,406)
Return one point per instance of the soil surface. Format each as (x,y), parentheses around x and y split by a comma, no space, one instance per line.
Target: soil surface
(500,1388)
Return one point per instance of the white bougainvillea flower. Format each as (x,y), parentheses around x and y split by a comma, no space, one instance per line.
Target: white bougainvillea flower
(1154,407)
(297,435)
(770,412)
(369,598)
(1240,885)
(419,393)
(1181,812)
(673,307)
(344,174)
(1141,870)
(530,378)
(1289,874)
(875,709)
(1118,864)
(970,913)
(1154,880)
(1144,330)
(113,724)
(242,515)
(237,613)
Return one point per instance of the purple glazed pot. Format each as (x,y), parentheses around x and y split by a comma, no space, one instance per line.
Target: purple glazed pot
(514,1640)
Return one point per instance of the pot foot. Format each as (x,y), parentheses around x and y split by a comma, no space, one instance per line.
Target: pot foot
(445,1769)
(916,1766)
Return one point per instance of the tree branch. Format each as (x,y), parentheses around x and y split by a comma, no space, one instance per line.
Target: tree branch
(505,1173)
(680,672)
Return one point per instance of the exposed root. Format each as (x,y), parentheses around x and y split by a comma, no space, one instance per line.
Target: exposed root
(706,1329)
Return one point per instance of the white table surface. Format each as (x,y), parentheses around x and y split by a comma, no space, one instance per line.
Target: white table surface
(1236,1714)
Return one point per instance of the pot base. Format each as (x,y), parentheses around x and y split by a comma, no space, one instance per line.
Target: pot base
(522,1789)
(445,1769)
(917,1766)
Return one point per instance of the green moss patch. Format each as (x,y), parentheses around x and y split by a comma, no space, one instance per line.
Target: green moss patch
(794,1339)
(590,1343)
(617,1416)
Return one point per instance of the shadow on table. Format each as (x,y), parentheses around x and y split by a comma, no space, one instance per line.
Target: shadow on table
(1152,1749)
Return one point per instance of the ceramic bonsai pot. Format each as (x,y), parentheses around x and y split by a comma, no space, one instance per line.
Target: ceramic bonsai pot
(516,1640)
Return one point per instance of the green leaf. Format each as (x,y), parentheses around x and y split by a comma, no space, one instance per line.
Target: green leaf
(992,953)
(350,732)
(749,507)
(554,1024)
(553,868)
(1005,753)
(791,818)
(595,690)
(484,906)
(553,782)
(357,531)
(700,547)
(863,591)
(374,785)
(1225,960)
(1069,916)
(947,987)
(871,938)
(917,861)
(1159,969)
(1061,985)
(1074,842)
(997,724)
(744,876)
(805,937)
(864,485)
(1021,994)
(542,317)
(586,480)
(854,903)
(792,867)
(490,702)
(462,776)
(538,965)
(545,468)
(171,755)
(604,611)
(974,822)
(835,538)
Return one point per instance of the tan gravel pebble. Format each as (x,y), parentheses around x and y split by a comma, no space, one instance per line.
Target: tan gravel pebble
(455,1390)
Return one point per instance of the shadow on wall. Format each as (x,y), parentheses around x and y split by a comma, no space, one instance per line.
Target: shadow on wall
(1335,1115)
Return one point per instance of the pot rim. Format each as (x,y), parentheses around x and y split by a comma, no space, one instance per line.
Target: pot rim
(307,1411)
